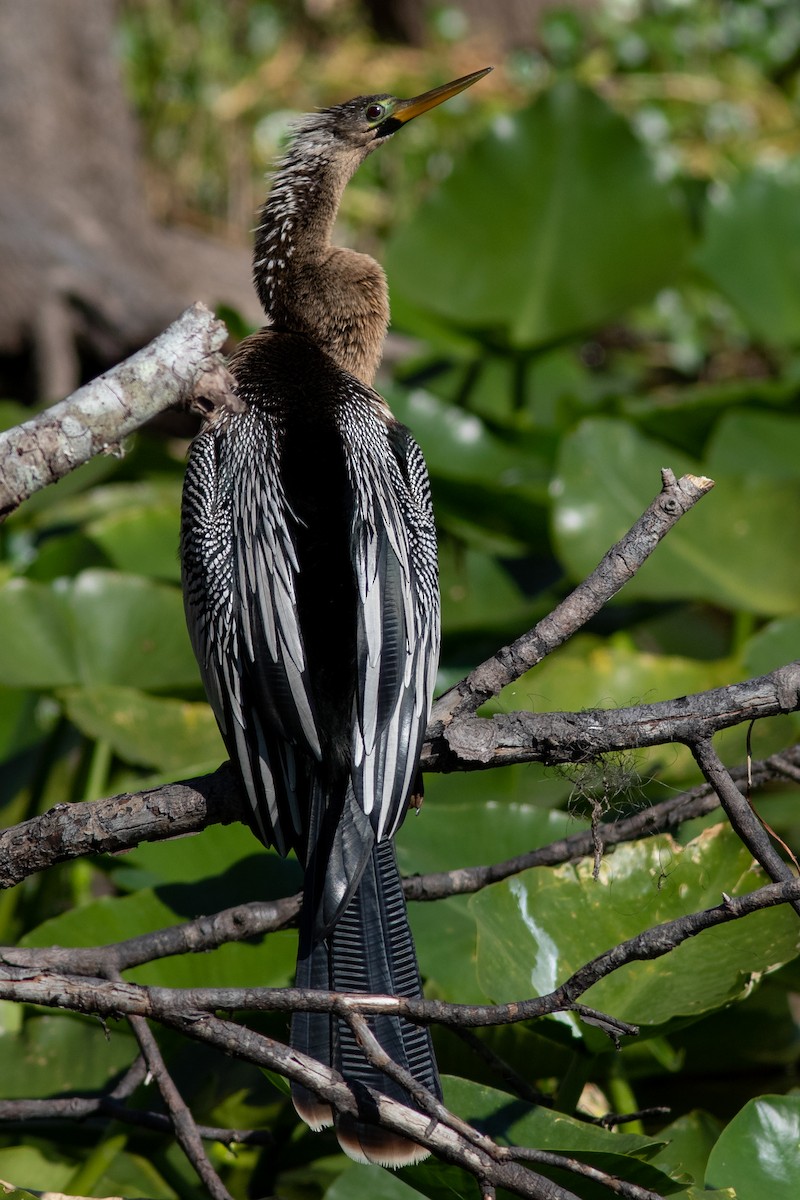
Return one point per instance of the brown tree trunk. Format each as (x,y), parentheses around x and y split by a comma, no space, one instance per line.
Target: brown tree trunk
(87,275)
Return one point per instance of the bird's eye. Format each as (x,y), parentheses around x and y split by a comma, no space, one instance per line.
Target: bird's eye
(375,112)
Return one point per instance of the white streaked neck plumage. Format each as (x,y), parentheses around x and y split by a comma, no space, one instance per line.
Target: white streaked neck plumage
(334,296)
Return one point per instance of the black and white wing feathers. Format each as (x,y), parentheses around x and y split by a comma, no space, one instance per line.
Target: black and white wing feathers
(240,571)
(394,559)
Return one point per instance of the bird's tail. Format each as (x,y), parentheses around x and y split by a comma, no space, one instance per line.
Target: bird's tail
(370,950)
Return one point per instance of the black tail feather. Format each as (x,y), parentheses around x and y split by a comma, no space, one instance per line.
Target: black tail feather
(311,1032)
(370,951)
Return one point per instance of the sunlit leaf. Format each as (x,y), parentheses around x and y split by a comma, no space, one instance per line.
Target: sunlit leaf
(39,1164)
(689,1141)
(480,594)
(370,1183)
(142,540)
(153,731)
(574,227)
(751,251)
(729,550)
(537,928)
(758,1153)
(777,644)
(99,628)
(62,1053)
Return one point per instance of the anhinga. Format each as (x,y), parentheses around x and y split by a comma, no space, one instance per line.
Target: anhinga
(310,583)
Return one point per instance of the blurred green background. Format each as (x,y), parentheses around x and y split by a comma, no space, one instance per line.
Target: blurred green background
(594,263)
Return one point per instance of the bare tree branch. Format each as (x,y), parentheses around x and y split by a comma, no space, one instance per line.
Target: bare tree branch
(26,977)
(181,363)
(181,1119)
(520,737)
(617,567)
(79,1108)
(741,816)
(125,821)
(119,823)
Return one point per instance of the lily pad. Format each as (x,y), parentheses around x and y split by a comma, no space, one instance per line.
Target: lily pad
(536,929)
(552,223)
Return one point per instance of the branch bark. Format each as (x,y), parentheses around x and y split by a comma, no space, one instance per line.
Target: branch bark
(181,363)
(615,569)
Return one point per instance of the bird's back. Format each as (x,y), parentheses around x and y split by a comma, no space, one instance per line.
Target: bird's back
(318,539)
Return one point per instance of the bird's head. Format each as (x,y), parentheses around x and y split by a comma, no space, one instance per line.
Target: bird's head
(359,125)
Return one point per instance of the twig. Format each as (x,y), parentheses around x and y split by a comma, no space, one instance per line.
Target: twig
(741,816)
(81,1108)
(620,1187)
(618,566)
(183,1122)
(235,924)
(610,1119)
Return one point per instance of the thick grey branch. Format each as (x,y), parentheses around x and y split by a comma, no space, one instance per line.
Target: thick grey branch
(102,826)
(182,362)
(478,742)
(118,823)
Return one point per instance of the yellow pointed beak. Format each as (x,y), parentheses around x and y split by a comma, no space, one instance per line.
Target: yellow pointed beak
(406,110)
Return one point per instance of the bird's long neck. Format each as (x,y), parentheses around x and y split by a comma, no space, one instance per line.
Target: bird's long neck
(336,297)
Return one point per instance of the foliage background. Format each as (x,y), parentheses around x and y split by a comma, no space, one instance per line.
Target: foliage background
(594,261)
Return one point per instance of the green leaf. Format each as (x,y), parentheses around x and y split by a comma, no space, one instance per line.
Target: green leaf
(511,1121)
(689,1141)
(460,445)
(153,731)
(729,550)
(225,864)
(62,1054)
(535,930)
(773,646)
(482,483)
(445,936)
(99,628)
(574,226)
(493,819)
(751,252)
(142,541)
(478,594)
(755,443)
(594,672)
(370,1183)
(758,1153)
(39,1164)
(20,723)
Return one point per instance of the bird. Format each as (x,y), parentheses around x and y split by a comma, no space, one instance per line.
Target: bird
(309,569)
